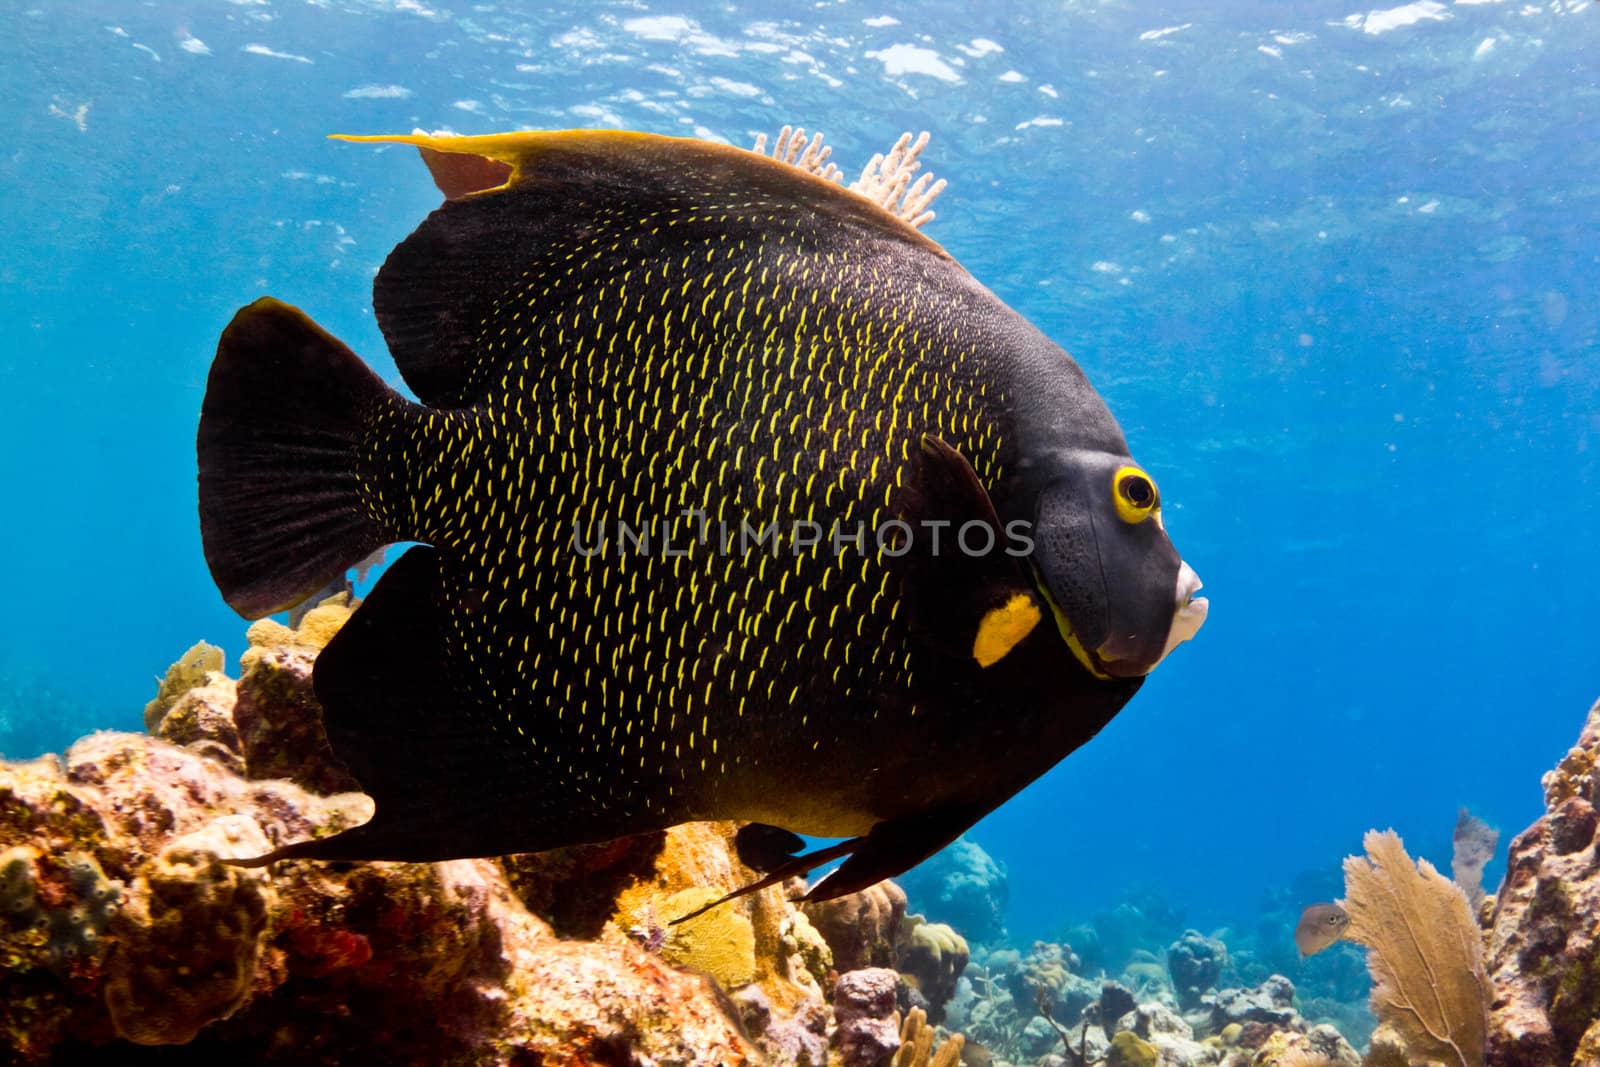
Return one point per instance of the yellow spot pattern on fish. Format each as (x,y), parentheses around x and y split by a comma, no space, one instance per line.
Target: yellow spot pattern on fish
(758,380)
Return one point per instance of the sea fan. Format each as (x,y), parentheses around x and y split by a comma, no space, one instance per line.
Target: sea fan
(1426,954)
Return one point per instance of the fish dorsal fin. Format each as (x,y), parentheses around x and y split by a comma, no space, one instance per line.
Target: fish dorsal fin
(513,196)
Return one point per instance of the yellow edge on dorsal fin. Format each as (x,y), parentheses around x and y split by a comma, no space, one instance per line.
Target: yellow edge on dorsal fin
(515,149)
(519,150)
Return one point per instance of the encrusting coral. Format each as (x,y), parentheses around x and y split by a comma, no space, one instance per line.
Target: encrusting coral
(198,924)
(1424,951)
(720,942)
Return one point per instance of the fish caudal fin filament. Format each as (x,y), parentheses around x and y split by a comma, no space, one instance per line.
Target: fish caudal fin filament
(281,508)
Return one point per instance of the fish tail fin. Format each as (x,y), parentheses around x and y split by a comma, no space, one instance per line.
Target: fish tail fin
(279,449)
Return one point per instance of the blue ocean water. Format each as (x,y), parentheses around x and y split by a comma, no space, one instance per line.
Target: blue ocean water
(1335,270)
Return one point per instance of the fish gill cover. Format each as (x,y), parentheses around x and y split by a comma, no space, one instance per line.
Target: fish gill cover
(1332,268)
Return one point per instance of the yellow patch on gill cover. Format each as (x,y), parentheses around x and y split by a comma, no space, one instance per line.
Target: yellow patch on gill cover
(1003,628)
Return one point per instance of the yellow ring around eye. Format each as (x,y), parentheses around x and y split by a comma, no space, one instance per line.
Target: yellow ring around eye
(1134,494)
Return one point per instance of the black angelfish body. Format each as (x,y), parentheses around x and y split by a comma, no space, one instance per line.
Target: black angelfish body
(614,335)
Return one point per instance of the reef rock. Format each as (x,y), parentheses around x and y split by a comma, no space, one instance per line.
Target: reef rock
(190,939)
(1544,937)
(1195,963)
(1270,1003)
(122,921)
(277,714)
(868,1025)
(963,886)
(1045,976)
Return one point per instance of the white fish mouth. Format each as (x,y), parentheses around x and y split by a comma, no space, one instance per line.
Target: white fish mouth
(1191,613)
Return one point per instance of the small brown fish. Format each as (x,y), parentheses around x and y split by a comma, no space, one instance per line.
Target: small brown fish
(1320,926)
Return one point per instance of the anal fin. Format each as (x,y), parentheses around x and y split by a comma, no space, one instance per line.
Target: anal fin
(439,778)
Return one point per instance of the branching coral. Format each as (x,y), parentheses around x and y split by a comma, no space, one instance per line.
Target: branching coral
(916,1044)
(791,147)
(886,180)
(1425,952)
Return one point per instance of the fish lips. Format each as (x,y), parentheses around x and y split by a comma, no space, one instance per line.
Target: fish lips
(1128,655)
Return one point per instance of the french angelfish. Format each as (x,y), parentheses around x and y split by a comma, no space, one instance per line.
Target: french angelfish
(625,348)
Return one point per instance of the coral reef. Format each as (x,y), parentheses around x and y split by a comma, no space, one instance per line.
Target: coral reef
(198,924)
(122,921)
(1544,942)
(1036,1009)
(860,928)
(930,958)
(1271,1002)
(277,714)
(1046,975)
(1195,963)
(917,1049)
(1123,935)
(964,886)
(198,667)
(66,901)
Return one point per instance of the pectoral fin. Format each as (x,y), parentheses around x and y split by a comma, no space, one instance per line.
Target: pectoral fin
(968,595)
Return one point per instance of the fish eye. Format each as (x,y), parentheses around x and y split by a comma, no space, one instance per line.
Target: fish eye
(1134,494)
